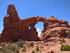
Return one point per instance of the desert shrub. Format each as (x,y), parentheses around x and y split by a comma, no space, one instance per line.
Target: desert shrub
(0,44)
(4,51)
(46,44)
(27,45)
(31,44)
(42,47)
(24,49)
(20,44)
(62,40)
(33,51)
(65,48)
(9,49)
(9,43)
(37,48)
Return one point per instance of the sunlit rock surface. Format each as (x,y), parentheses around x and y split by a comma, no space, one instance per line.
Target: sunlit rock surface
(16,28)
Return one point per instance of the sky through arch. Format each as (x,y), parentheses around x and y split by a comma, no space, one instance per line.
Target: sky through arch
(39,26)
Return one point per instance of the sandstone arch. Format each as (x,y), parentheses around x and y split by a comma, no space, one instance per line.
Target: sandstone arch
(16,28)
(30,22)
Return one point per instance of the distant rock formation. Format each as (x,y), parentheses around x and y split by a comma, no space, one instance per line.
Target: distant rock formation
(16,28)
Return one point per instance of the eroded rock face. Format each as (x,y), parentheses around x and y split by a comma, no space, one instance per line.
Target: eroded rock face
(16,28)
(55,28)
(55,32)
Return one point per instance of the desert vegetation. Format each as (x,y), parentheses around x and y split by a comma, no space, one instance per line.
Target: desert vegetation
(22,46)
(65,48)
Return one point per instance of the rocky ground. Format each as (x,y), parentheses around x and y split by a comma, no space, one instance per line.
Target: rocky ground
(52,45)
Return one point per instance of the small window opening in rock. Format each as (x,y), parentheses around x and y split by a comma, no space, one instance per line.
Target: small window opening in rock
(28,27)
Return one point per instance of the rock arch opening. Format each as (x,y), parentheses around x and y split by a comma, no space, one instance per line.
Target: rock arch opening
(29,27)
(39,27)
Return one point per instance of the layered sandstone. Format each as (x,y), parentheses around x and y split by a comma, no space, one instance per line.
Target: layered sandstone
(16,28)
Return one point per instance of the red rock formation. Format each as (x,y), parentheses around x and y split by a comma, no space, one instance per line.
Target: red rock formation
(55,28)
(16,28)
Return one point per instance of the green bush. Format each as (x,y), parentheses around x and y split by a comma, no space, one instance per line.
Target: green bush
(20,44)
(24,49)
(31,44)
(37,48)
(33,51)
(65,48)
(27,45)
(9,49)
(0,44)
(46,44)
(42,47)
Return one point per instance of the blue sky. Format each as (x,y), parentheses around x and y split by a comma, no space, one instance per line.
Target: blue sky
(46,8)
